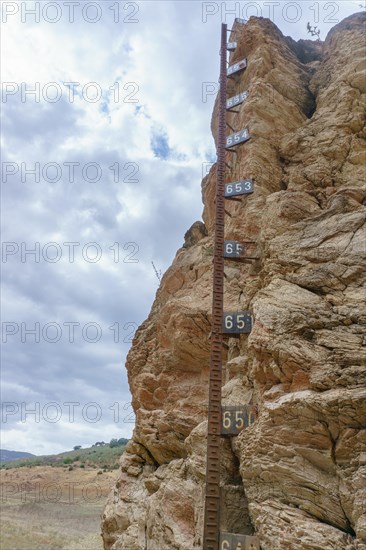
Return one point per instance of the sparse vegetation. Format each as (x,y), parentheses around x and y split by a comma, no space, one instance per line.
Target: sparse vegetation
(99,456)
(157,273)
(33,518)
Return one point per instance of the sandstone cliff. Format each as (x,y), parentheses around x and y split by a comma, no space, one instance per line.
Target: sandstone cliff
(297,476)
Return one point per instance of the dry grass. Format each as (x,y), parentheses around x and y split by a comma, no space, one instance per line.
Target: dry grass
(45,508)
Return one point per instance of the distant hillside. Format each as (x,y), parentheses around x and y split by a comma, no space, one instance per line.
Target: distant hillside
(102,456)
(8,456)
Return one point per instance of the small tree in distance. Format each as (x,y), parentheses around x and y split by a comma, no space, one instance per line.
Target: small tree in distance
(314,31)
(77,447)
(118,442)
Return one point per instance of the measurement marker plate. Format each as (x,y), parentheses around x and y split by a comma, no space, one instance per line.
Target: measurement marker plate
(237,322)
(237,417)
(242,187)
(231,46)
(238,137)
(237,67)
(230,541)
(236,100)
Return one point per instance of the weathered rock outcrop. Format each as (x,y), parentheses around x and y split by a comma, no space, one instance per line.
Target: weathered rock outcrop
(297,476)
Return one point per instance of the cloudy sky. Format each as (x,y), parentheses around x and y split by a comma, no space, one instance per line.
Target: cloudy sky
(106,135)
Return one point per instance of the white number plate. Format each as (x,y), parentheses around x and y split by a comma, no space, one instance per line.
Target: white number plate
(235,418)
(238,137)
(231,46)
(238,66)
(236,100)
(237,322)
(234,249)
(242,187)
(231,541)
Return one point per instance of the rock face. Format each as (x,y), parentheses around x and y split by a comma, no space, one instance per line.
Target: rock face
(295,478)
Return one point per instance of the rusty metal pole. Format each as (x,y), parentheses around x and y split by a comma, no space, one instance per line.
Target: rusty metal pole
(212,502)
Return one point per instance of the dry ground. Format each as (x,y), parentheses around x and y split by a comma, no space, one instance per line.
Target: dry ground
(49,508)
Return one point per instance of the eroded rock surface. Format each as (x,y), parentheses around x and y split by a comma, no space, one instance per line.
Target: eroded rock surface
(297,476)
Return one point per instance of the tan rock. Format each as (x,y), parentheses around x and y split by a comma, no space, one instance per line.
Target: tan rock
(296,477)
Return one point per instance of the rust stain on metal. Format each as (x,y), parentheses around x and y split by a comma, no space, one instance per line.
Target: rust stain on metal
(212,503)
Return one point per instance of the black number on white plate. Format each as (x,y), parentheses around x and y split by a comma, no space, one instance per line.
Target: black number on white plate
(236,100)
(238,137)
(231,46)
(237,322)
(235,418)
(242,187)
(234,249)
(231,541)
(238,66)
